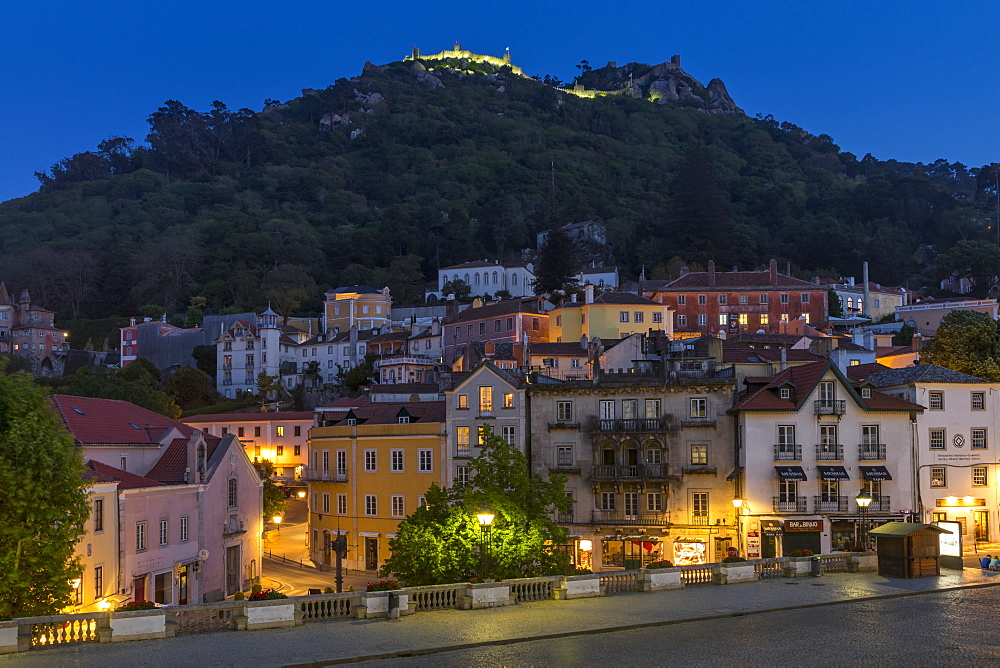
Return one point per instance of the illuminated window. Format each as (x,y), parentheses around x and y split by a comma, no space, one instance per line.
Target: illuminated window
(508,399)
(280,431)
(763,319)
(485,398)
(744,319)
(462,437)
(979,476)
(938,478)
(463,401)
(699,454)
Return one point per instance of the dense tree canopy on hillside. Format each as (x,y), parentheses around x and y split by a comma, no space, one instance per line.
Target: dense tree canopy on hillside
(383,178)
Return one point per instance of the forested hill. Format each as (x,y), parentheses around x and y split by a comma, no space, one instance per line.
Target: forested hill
(383,178)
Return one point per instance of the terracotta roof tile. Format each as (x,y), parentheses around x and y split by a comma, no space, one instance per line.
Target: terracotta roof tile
(110,421)
(126,480)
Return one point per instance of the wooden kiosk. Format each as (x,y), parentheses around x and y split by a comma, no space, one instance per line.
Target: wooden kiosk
(907,550)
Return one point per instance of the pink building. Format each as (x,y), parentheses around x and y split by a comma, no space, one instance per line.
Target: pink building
(28,330)
(188,507)
(508,321)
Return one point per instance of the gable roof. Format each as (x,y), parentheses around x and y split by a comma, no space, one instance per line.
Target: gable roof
(700,280)
(100,472)
(505,307)
(113,422)
(388,413)
(625,298)
(921,373)
(359,289)
(475,264)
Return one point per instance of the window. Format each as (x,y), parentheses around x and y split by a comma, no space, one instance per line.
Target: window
(702,299)
(788,491)
(698,407)
(763,298)
(682,320)
(699,454)
(744,299)
(496,325)
(463,401)
(866,392)
(370,461)
(371,505)
(652,408)
(404,419)
(509,434)
(98,581)
(98,515)
(162,587)
(239,432)
(510,324)
(829,490)
(396,461)
(461,475)
(784,317)
(462,437)
(421,501)
(938,478)
(783,298)
(124,460)
(637,316)
(630,409)
(279,430)
(298,450)
(743,319)
(631,503)
(256,451)
(184,528)
(341,504)
(326,503)
(764,319)
(723,319)
(702,319)
(396,505)
(458,332)
(785,393)
(508,400)
(654,455)
(279,451)
(256,432)
(140,536)
(978,401)
(723,299)
(485,399)
(482,329)
(425,461)
(481,435)
(164,531)
(233,498)
(657,317)
(936,439)
(608,501)
(699,508)
(979,476)
(607,409)
(935,401)
(978,439)
(564,456)
(326,460)
(564,411)
(342,462)
(681,300)
(805,299)
(623,316)
(654,502)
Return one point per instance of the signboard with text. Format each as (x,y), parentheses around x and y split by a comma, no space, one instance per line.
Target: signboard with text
(803,525)
(753,545)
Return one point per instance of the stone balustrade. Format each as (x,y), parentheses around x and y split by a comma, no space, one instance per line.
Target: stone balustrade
(24,634)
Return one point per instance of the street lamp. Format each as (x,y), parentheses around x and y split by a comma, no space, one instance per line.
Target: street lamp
(863,499)
(485,518)
(277,521)
(302,494)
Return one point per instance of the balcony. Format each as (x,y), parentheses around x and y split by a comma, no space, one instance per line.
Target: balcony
(834,504)
(830,406)
(324,475)
(700,470)
(698,422)
(880,504)
(486,413)
(233,527)
(564,518)
(868,452)
(788,452)
(610,517)
(628,472)
(463,452)
(795,504)
(829,452)
(630,425)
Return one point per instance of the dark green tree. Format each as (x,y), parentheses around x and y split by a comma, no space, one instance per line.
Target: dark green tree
(274,499)
(976,260)
(555,273)
(966,341)
(103,383)
(361,374)
(701,226)
(459,288)
(835,309)
(190,387)
(143,371)
(43,502)
(439,543)
(206,359)
(268,386)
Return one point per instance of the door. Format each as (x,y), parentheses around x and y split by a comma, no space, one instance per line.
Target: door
(232,570)
(801,540)
(182,586)
(982,521)
(631,505)
(371,554)
(769,546)
(139,589)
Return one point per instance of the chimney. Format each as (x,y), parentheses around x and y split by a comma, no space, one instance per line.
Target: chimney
(588,291)
(773,269)
(917,343)
(784,358)
(572,298)
(684,271)
(868,292)
(711,273)
(715,350)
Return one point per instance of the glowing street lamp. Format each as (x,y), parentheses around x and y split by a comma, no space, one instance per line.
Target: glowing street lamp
(738,505)
(485,517)
(863,499)
(277,521)
(302,494)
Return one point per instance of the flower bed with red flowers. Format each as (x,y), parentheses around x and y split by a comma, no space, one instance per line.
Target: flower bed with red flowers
(384,585)
(266,595)
(132,606)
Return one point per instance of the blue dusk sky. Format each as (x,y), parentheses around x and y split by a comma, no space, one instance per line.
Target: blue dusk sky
(912,81)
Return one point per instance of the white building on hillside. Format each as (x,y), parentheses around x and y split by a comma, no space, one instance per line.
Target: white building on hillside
(487,277)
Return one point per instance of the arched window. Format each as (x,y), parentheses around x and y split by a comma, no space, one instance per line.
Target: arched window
(466,279)
(495,281)
(477,278)
(233,499)
(444,281)
(513,278)
(630,454)
(486,278)
(850,303)
(654,454)
(607,454)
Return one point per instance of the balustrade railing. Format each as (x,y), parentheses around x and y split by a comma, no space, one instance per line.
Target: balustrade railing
(533,589)
(435,597)
(829,452)
(326,606)
(697,574)
(48,634)
(619,582)
(618,471)
(769,568)
(200,619)
(789,505)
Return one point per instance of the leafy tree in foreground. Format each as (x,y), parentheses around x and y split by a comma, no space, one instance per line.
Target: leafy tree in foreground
(274,500)
(966,341)
(43,501)
(439,542)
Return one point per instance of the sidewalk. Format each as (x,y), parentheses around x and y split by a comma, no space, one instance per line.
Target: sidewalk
(428,632)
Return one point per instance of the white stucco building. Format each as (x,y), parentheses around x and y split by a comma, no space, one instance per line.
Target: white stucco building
(487,277)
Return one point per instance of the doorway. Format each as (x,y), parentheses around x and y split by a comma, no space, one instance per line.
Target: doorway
(981,518)
(232,570)
(182,586)
(371,554)
(139,588)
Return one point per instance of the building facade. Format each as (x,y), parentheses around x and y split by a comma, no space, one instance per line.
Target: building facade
(360,306)
(509,321)
(612,315)
(28,330)
(485,277)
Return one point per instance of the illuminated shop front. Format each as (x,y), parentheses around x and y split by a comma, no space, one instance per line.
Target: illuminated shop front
(631,551)
(690,551)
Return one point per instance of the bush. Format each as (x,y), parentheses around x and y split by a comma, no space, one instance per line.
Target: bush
(732,560)
(328,590)
(266,595)
(256,589)
(578,571)
(384,585)
(800,553)
(239,596)
(132,606)
(663,563)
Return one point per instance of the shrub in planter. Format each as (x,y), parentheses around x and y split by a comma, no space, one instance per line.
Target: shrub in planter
(328,590)
(266,595)
(579,571)
(132,606)
(384,585)
(801,553)
(239,596)
(732,560)
(256,589)
(663,563)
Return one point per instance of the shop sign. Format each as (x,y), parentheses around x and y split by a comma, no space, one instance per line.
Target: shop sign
(803,525)
(753,545)
(950,543)
(771,527)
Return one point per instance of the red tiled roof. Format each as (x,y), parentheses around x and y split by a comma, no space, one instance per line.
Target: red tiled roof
(255,416)
(699,280)
(387,413)
(173,463)
(560,348)
(624,298)
(105,473)
(859,372)
(110,421)
(505,307)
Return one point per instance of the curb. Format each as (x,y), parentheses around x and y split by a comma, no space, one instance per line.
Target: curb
(402,654)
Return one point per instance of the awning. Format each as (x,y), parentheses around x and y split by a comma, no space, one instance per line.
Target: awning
(833,473)
(875,473)
(735,474)
(771,527)
(790,473)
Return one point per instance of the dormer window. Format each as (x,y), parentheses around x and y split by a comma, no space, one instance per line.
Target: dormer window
(866,393)
(404,419)
(351,422)
(785,393)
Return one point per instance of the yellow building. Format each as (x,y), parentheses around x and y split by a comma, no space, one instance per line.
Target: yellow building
(360,306)
(613,315)
(368,469)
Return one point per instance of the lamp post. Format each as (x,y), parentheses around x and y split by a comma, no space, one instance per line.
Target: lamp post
(485,518)
(738,505)
(863,499)
(302,494)
(277,521)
